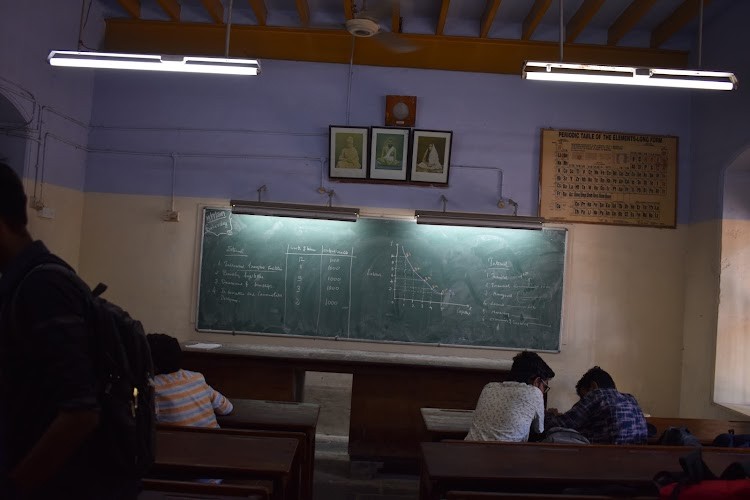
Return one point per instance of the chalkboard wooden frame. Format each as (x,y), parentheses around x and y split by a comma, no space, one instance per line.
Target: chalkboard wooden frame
(486,279)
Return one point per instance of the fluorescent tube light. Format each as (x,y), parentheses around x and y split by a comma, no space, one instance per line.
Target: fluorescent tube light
(480,220)
(292,210)
(629,75)
(149,62)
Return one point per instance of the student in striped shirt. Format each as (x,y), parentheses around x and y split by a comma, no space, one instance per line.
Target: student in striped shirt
(182,397)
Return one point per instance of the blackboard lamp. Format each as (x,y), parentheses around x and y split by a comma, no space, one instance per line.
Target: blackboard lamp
(478,220)
(293,210)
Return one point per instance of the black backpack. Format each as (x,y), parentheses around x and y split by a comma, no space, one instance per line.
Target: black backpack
(124,368)
(678,436)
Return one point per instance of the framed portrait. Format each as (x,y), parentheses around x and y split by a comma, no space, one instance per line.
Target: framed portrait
(431,156)
(348,152)
(389,153)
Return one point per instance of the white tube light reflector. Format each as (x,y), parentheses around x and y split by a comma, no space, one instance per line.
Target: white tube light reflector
(149,62)
(629,75)
(293,210)
(479,220)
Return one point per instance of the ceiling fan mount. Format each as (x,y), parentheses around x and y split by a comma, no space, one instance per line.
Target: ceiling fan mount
(362,27)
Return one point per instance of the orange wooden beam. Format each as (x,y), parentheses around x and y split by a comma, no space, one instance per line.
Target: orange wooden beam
(453,53)
(628,19)
(133,7)
(442,17)
(171,7)
(396,17)
(215,9)
(304,12)
(349,9)
(534,17)
(682,15)
(581,19)
(488,17)
(260,11)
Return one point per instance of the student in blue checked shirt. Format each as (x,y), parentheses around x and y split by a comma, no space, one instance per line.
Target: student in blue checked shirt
(603,414)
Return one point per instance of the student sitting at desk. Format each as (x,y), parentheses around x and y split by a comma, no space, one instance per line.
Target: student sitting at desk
(603,414)
(182,397)
(507,411)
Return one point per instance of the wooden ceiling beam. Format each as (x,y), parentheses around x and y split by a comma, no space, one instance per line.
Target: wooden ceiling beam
(628,19)
(260,11)
(534,18)
(488,17)
(686,12)
(442,17)
(581,19)
(304,12)
(171,7)
(215,9)
(334,46)
(396,16)
(132,7)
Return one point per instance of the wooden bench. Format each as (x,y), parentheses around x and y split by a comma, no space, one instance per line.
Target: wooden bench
(704,429)
(280,416)
(552,468)
(163,489)
(231,455)
(446,423)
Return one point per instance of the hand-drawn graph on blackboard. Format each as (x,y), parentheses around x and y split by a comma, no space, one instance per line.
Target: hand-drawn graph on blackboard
(411,286)
(381,280)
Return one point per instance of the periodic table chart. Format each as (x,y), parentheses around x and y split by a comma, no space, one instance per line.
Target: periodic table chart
(608,178)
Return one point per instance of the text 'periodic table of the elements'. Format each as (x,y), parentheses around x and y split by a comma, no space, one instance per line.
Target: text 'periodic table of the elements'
(608,178)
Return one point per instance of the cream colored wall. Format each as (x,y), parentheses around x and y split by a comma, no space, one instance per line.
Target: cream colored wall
(61,234)
(732,380)
(622,306)
(702,271)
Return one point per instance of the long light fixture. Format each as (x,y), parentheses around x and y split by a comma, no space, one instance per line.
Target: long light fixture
(294,210)
(475,219)
(629,75)
(148,62)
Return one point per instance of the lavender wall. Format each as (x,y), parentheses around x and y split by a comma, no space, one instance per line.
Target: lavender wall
(56,100)
(719,120)
(280,122)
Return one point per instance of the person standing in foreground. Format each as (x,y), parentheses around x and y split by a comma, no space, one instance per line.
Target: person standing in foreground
(603,414)
(49,421)
(507,411)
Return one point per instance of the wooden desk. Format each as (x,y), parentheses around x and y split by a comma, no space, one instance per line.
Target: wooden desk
(388,389)
(546,468)
(443,423)
(446,423)
(279,416)
(704,429)
(227,456)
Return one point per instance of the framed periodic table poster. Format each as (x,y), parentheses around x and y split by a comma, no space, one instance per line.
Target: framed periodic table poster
(608,178)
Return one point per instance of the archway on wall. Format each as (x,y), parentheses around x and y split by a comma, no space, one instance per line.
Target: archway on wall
(13,141)
(732,373)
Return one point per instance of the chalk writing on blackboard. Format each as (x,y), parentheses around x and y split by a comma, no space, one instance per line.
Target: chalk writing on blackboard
(381,280)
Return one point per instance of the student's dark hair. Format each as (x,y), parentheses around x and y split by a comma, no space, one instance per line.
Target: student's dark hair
(12,199)
(527,366)
(603,380)
(165,353)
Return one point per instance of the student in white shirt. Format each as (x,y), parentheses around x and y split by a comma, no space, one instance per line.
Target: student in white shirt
(507,411)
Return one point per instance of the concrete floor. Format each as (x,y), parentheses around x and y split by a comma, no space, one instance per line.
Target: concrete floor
(336,477)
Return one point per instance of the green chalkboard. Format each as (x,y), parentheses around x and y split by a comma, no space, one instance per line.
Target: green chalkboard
(381,280)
